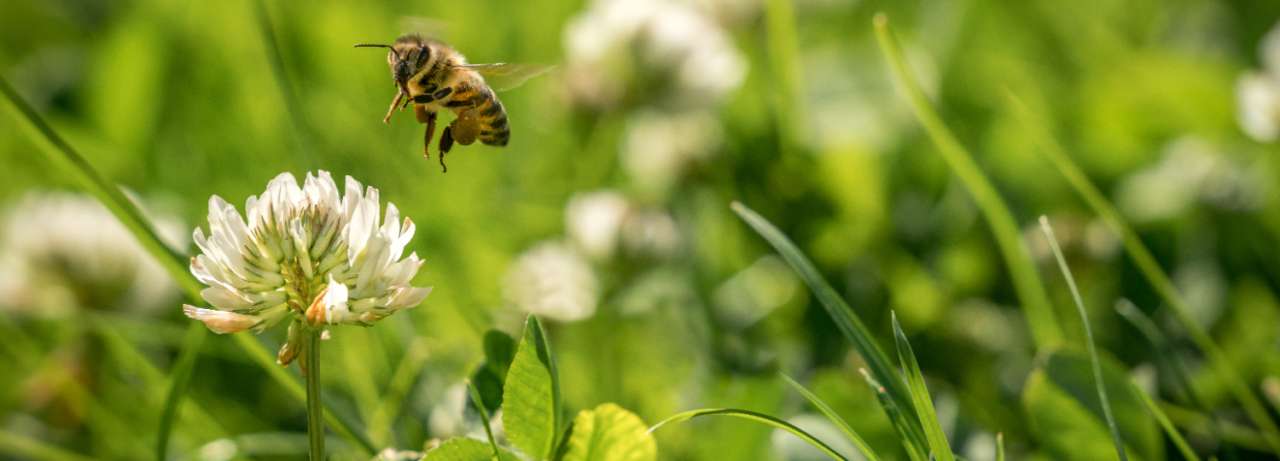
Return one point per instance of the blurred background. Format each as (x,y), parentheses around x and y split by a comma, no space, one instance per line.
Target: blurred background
(608,213)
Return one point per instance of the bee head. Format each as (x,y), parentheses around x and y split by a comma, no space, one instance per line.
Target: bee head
(405,57)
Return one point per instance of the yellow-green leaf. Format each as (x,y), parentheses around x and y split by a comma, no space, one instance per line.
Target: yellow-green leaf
(610,433)
(531,395)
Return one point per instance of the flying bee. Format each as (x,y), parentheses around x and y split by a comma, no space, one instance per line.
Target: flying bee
(432,76)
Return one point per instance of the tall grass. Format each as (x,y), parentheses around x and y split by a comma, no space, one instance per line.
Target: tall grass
(1150,269)
(1045,330)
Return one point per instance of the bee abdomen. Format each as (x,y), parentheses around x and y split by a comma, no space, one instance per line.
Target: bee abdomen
(494,130)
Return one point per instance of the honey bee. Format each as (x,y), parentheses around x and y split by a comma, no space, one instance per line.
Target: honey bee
(433,76)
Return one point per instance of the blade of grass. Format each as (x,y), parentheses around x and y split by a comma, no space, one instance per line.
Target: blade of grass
(844,317)
(61,153)
(1232,433)
(999,446)
(1165,354)
(753,416)
(1045,330)
(785,66)
(1088,338)
(484,418)
(1172,432)
(834,417)
(1150,269)
(915,448)
(939,449)
(301,131)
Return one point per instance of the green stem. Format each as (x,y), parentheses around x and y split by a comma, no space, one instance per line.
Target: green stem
(315,409)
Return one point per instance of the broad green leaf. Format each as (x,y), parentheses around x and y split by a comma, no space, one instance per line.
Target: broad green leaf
(610,433)
(753,416)
(844,317)
(1088,338)
(499,350)
(835,418)
(1062,405)
(465,449)
(939,449)
(531,395)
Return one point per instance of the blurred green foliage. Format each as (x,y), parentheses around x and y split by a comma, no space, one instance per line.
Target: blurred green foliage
(177,101)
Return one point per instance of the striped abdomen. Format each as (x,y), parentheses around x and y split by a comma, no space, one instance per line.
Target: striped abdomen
(476,105)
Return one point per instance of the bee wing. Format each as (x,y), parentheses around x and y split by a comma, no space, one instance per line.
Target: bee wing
(505,76)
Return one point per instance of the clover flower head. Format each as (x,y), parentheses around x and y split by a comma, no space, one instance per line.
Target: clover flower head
(60,251)
(304,253)
(553,280)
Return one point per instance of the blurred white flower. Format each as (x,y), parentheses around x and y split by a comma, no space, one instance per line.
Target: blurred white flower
(552,280)
(62,251)
(1258,105)
(651,234)
(1258,93)
(306,254)
(680,55)
(790,448)
(594,220)
(1191,171)
(659,147)
(392,454)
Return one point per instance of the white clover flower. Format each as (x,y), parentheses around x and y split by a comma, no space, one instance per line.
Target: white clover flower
(660,147)
(1258,105)
(593,221)
(1258,93)
(617,43)
(307,254)
(60,251)
(553,281)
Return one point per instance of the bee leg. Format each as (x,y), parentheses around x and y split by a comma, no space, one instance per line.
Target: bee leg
(428,118)
(446,143)
(391,110)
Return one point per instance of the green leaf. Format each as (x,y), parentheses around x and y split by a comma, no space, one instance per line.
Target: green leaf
(752,416)
(1026,280)
(464,449)
(499,350)
(939,449)
(835,418)
(1088,338)
(531,395)
(1151,270)
(1062,405)
(610,433)
(844,317)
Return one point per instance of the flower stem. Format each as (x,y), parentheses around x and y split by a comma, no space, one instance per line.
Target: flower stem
(315,410)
